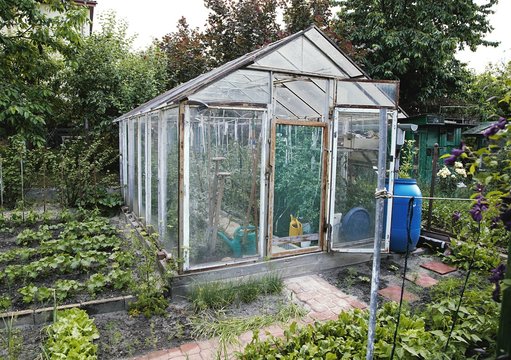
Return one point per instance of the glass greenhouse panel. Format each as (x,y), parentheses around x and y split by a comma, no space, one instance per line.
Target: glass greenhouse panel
(243,86)
(299,97)
(153,147)
(356,179)
(171,219)
(142,170)
(136,166)
(367,93)
(300,55)
(297,187)
(224,177)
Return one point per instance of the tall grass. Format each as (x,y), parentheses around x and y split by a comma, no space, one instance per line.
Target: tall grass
(218,295)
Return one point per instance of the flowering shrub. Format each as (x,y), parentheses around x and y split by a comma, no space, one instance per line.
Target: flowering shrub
(451,179)
(491,209)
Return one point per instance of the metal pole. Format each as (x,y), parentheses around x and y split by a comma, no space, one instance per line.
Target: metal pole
(432,187)
(380,202)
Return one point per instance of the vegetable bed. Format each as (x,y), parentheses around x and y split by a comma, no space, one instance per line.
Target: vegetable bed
(68,259)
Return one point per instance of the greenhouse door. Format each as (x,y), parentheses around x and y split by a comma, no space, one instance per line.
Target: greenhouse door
(296,204)
(354,177)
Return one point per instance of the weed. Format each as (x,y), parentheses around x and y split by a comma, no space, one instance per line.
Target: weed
(210,324)
(10,339)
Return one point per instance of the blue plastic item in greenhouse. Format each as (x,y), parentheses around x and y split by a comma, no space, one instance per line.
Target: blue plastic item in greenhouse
(356,225)
(398,229)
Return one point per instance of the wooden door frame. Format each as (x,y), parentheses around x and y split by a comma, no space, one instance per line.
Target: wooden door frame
(324,179)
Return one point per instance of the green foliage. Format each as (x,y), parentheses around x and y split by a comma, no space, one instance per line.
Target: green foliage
(36,39)
(422,334)
(71,336)
(299,14)
(218,295)
(488,89)
(407,161)
(227,34)
(82,173)
(396,37)
(119,80)
(5,303)
(150,287)
(10,340)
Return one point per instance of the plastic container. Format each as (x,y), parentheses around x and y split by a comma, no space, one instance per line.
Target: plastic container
(398,230)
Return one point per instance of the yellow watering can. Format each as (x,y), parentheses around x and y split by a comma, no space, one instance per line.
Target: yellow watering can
(295,227)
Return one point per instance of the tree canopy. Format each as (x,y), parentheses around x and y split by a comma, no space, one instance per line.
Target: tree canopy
(34,47)
(416,42)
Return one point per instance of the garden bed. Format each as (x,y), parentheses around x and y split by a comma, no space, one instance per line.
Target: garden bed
(71,258)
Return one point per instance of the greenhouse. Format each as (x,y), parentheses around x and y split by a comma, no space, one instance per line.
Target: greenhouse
(274,154)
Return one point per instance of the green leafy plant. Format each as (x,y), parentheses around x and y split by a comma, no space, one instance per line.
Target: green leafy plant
(407,159)
(71,336)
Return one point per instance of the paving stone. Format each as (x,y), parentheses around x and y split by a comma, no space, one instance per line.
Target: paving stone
(190,348)
(438,267)
(421,279)
(394,293)
(194,357)
(305,296)
(160,354)
(174,353)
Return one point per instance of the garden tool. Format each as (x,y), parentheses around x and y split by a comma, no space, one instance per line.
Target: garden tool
(243,241)
(295,227)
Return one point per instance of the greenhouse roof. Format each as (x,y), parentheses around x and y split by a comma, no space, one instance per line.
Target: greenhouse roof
(309,51)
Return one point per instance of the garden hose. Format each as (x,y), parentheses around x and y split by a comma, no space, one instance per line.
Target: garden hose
(409,217)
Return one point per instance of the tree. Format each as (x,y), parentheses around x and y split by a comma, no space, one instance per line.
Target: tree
(37,38)
(107,79)
(490,91)
(184,53)
(299,14)
(415,42)
(236,27)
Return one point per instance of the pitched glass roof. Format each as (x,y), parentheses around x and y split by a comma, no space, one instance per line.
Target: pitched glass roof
(308,51)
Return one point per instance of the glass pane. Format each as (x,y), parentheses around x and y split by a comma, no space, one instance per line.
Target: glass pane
(154,171)
(356,179)
(142,169)
(299,98)
(241,86)
(136,167)
(297,187)
(225,157)
(335,55)
(172,152)
(301,55)
(367,93)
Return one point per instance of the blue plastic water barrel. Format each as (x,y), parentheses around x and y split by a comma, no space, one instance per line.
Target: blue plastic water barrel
(398,230)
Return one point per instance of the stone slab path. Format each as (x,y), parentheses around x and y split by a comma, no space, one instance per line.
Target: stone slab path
(322,300)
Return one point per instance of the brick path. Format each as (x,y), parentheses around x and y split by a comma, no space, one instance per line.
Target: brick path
(322,300)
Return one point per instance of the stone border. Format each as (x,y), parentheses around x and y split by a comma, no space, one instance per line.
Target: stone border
(45,315)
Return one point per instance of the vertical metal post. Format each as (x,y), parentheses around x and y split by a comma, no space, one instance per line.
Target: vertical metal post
(382,158)
(432,188)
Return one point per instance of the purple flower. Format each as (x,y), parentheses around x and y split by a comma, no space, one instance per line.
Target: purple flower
(477,209)
(492,130)
(456,216)
(497,275)
(501,124)
(479,188)
(450,160)
(496,127)
(455,153)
